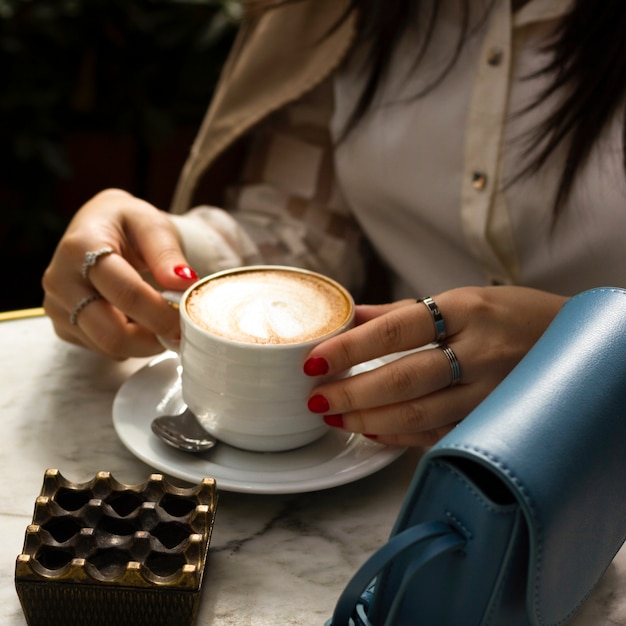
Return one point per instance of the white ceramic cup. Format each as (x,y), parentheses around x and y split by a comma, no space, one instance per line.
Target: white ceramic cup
(245,334)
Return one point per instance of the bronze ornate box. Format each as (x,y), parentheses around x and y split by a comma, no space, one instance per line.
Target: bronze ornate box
(103,553)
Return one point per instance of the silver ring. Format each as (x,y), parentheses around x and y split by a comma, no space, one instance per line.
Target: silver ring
(91,258)
(455,366)
(435,313)
(81,305)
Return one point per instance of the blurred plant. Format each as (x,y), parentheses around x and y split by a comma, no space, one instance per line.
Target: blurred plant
(139,68)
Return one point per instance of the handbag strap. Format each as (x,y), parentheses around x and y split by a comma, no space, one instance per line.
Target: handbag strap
(443,539)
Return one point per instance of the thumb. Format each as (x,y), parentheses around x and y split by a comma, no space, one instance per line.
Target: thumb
(160,249)
(366,312)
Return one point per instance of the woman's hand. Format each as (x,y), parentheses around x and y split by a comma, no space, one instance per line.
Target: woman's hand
(409,401)
(125,313)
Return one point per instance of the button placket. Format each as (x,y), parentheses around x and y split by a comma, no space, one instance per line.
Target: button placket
(479,180)
(494,56)
(483,144)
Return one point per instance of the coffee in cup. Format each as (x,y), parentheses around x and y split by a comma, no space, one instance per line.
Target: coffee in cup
(269,306)
(245,335)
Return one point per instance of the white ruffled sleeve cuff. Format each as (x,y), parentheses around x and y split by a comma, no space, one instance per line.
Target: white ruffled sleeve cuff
(212,240)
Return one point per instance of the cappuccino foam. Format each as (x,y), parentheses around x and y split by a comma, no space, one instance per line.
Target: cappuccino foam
(268,306)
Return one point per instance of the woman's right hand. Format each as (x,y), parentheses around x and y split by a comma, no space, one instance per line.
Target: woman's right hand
(128,313)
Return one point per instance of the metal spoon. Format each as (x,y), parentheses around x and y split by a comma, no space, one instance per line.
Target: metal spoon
(183,431)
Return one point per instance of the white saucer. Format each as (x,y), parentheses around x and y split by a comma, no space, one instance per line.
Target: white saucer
(335,459)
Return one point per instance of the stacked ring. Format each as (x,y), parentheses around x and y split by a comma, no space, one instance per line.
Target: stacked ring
(435,313)
(91,258)
(455,366)
(81,305)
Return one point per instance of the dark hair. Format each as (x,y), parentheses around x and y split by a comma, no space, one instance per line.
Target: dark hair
(587,66)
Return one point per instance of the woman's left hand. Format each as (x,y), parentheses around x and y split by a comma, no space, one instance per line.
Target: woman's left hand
(409,401)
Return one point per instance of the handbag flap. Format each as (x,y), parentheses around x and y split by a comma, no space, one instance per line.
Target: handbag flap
(555,432)
(463,586)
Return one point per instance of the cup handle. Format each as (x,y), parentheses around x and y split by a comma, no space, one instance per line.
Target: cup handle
(173,298)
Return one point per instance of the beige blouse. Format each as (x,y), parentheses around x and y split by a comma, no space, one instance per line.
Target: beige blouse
(425,178)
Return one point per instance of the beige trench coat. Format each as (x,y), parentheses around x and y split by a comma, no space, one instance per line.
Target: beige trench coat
(259,79)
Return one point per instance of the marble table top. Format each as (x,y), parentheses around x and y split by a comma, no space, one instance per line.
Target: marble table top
(274,559)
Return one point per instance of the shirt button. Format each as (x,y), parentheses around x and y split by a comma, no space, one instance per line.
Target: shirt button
(494,56)
(479,180)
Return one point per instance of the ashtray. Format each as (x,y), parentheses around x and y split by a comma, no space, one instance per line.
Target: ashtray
(102,552)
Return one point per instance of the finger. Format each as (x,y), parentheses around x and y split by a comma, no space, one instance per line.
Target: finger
(437,410)
(136,230)
(365,312)
(423,439)
(101,328)
(124,323)
(413,376)
(418,422)
(405,325)
(155,241)
(136,301)
(63,328)
(110,332)
(138,233)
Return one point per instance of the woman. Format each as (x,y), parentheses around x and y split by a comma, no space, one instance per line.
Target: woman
(476,147)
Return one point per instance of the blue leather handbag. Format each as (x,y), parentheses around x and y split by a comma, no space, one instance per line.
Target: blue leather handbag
(512,518)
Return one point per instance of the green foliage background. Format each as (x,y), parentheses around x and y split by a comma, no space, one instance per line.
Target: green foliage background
(137,70)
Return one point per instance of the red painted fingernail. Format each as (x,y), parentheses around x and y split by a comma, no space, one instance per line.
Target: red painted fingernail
(336,421)
(184,271)
(316,366)
(318,404)
(370,436)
